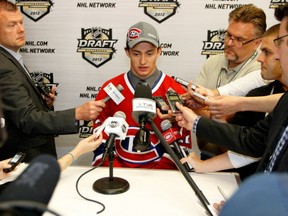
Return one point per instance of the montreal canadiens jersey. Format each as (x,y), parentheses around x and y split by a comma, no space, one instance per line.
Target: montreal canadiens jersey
(125,154)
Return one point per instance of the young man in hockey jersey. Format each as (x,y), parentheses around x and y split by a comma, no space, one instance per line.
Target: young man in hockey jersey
(143,49)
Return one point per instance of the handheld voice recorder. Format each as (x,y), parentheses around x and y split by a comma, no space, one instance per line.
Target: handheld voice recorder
(172,98)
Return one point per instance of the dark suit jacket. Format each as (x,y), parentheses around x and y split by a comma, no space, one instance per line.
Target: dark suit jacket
(30,125)
(259,140)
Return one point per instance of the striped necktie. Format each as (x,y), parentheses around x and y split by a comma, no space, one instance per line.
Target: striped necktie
(282,143)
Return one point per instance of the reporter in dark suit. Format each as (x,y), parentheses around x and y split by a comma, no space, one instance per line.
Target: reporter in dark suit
(31,125)
(268,138)
(257,141)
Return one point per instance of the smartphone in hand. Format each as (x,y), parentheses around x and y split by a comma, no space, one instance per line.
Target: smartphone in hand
(161,104)
(18,158)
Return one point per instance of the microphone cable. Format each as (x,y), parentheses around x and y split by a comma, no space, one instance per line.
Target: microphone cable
(88,199)
(120,114)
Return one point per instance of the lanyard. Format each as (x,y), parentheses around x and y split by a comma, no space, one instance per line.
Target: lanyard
(236,73)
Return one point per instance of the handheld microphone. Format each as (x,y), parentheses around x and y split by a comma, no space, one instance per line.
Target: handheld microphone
(30,193)
(116,127)
(119,87)
(143,106)
(172,136)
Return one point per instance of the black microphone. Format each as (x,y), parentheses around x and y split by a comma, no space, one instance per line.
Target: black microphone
(116,127)
(143,108)
(143,105)
(172,136)
(30,193)
(119,87)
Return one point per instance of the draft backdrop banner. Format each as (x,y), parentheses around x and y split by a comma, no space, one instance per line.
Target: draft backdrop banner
(78,44)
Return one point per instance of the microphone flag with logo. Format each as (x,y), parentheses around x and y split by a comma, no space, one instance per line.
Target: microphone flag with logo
(116,128)
(143,108)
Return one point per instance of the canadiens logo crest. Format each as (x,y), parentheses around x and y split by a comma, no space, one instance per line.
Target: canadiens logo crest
(96,45)
(214,44)
(159,10)
(168,137)
(134,33)
(34,10)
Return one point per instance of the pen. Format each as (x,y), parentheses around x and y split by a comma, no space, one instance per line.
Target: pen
(222,193)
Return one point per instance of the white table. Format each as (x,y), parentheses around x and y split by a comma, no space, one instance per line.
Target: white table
(151,192)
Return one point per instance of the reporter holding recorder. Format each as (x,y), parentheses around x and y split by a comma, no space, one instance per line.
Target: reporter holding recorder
(270,70)
(84,146)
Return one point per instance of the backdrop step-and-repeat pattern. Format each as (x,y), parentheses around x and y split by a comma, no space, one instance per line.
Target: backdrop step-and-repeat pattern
(79,44)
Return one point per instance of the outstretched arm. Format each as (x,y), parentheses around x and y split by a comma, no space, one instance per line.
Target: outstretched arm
(217,163)
(84,146)
(222,106)
(89,110)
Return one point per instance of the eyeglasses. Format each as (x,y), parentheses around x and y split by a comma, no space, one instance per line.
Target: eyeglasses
(278,41)
(237,42)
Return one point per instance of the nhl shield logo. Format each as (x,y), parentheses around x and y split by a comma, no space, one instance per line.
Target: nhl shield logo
(96,45)
(35,10)
(159,10)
